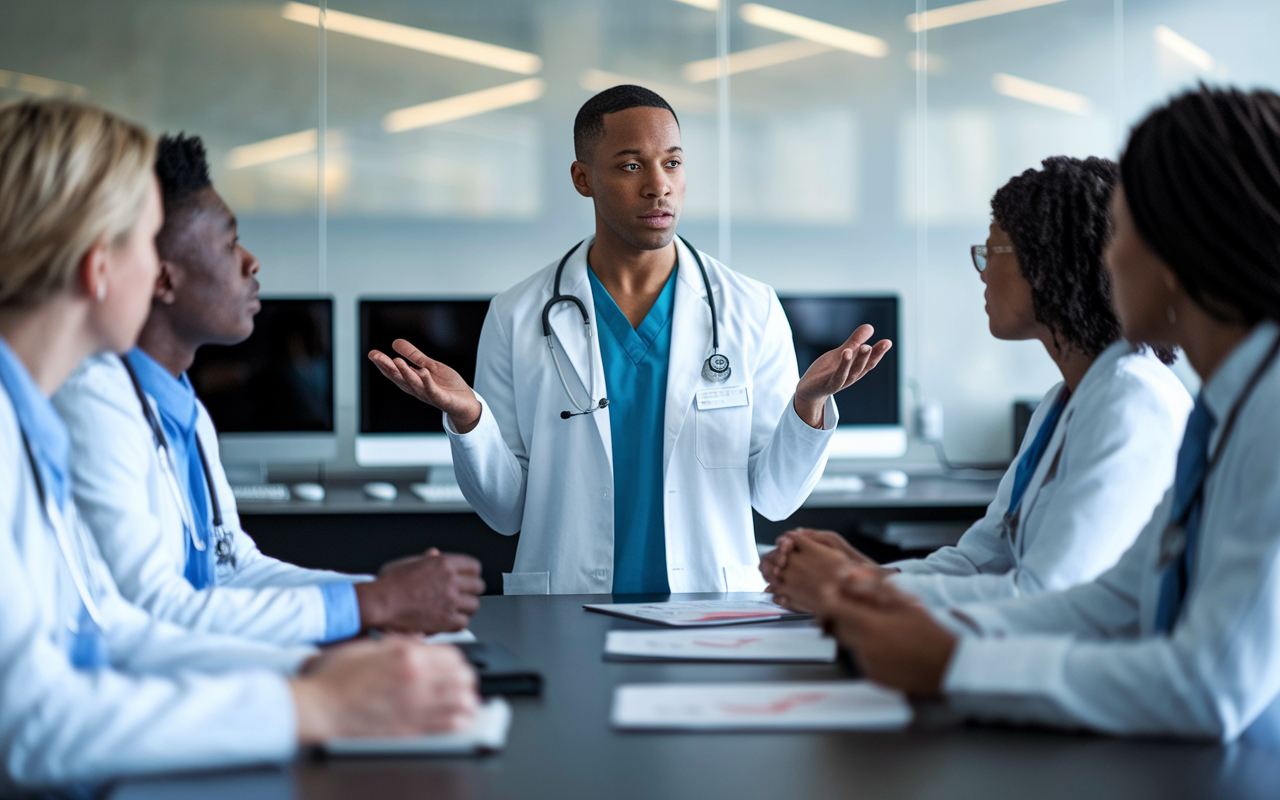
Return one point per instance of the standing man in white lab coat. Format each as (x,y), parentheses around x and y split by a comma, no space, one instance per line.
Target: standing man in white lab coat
(627,427)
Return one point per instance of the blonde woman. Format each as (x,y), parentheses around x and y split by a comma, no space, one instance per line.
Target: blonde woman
(91,687)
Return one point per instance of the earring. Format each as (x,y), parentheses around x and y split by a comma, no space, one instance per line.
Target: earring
(102,291)
(1170,312)
(1171,315)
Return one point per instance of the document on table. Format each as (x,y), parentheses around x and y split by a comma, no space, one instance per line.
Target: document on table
(487,734)
(695,613)
(464,636)
(805,705)
(791,645)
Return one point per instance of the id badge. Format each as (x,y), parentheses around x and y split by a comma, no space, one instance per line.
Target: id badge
(1172,544)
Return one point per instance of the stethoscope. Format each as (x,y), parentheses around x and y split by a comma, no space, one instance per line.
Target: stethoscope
(78,561)
(222,549)
(715,369)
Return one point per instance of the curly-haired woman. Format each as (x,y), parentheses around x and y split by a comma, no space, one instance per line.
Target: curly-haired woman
(1099,451)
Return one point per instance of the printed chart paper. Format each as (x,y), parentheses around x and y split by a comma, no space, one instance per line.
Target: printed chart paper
(486,735)
(696,613)
(803,705)
(791,645)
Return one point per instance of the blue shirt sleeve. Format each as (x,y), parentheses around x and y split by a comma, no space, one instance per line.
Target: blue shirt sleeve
(341,610)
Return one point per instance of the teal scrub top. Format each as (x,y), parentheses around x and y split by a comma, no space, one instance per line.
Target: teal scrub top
(635,364)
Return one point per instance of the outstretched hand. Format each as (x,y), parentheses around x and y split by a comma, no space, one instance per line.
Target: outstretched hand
(432,382)
(836,370)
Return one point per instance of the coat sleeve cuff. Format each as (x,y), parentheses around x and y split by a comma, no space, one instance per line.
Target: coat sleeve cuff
(808,433)
(341,610)
(995,666)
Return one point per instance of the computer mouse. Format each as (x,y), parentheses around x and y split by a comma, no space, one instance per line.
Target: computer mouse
(311,492)
(891,479)
(380,490)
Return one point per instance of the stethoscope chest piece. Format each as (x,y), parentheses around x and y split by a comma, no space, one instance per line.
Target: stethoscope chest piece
(716,368)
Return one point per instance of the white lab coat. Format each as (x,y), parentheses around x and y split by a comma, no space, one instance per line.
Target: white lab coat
(1107,464)
(170,700)
(124,499)
(525,469)
(1089,657)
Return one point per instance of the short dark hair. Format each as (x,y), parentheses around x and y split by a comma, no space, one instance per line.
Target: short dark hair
(588,126)
(1059,220)
(1201,176)
(182,167)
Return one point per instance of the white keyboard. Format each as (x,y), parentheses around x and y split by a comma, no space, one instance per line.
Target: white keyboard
(438,492)
(839,484)
(261,492)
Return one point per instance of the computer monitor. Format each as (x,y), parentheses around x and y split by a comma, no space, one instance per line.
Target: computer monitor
(870,414)
(271,396)
(397,430)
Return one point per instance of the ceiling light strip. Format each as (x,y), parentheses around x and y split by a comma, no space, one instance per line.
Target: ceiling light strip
(814,30)
(770,55)
(464,105)
(441,44)
(1041,94)
(968,12)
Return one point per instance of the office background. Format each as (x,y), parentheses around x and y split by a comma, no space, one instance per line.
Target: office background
(824,162)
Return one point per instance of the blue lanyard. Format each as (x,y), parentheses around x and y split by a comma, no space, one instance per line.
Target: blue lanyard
(1031,459)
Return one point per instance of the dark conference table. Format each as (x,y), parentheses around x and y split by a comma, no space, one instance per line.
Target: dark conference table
(562,746)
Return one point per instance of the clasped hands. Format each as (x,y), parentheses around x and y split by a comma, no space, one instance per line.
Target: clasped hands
(894,638)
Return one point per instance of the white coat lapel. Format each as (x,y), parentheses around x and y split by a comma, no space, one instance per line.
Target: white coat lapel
(573,346)
(690,346)
(1102,366)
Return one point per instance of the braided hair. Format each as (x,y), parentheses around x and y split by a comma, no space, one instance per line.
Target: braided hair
(1201,176)
(1058,218)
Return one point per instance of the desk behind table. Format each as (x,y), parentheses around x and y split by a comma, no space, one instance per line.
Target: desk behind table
(561,745)
(349,532)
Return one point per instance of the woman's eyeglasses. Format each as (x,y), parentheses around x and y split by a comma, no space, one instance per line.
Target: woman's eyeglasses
(979,254)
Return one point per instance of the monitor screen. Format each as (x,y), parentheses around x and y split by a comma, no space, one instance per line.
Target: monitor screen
(819,324)
(280,379)
(446,330)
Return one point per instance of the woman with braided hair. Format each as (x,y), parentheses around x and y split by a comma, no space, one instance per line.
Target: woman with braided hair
(1099,451)
(1182,636)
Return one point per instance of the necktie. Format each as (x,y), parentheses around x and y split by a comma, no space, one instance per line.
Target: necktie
(1031,459)
(1193,460)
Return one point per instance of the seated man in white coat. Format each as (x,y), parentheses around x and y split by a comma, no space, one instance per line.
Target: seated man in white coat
(635,399)
(1099,451)
(164,517)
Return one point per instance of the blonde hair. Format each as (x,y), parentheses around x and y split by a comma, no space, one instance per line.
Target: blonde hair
(71,176)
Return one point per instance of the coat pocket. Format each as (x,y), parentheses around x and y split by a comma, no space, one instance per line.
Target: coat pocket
(526,583)
(724,437)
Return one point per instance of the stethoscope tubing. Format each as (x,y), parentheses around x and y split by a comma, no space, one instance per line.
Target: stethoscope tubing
(557,298)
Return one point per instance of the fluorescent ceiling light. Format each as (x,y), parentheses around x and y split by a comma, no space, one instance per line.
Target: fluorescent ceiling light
(967,12)
(1041,94)
(1179,45)
(924,62)
(45,87)
(440,44)
(756,58)
(706,5)
(597,80)
(464,105)
(293,144)
(814,31)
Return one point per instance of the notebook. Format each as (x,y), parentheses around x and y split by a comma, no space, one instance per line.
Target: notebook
(486,735)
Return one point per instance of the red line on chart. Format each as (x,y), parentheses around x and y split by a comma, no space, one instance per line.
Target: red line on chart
(736,615)
(779,706)
(724,644)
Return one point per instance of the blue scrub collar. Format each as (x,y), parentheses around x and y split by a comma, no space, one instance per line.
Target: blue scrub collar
(175,397)
(45,432)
